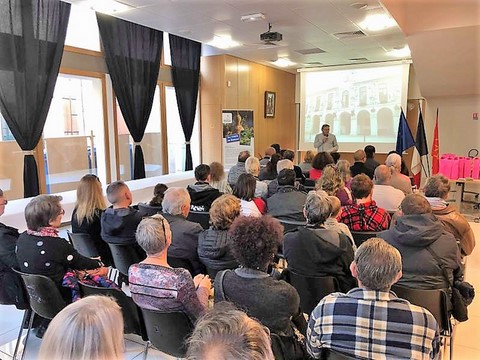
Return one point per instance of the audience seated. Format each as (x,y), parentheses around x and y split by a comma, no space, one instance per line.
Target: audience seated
(157,286)
(332,183)
(370,322)
(269,172)
(268,154)
(202,194)
(245,191)
(226,333)
(359,166)
(335,156)
(313,250)
(11,285)
(343,167)
(273,185)
(238,169)
(320,160)
(155,205)
(276,147)
(217,178)
(403,166)
(370,162)
(364,215)
(332,223)
(287,203)
(176,206)
(91,328)
(306,165)
(41,251)
(436,190)
(416,231)
(398,181)
(385,195)
(274,302)
(252,166)
(214,244)
(87,213)
(290,155)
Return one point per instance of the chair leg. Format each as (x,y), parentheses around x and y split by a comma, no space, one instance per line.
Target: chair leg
(30,324)
(26,317)
(145,352)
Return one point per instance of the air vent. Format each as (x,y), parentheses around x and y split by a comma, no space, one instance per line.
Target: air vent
(358,59)
(311,51)
(350,35)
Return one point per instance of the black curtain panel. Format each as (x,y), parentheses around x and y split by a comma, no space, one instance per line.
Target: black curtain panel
(185,75)
(32,35)
(132,53)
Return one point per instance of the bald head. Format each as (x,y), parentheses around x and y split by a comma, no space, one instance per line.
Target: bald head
(359,155)
(383,175)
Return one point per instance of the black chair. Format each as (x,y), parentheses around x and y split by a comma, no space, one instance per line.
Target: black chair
(45,298)
(311,289)
(132,317)
(329,354)
(435,301)
(359,237)
(278,348)
(124,256)
(167,332)
(200,217)
(309,183)
(289,225)
(148,210)
(84,244)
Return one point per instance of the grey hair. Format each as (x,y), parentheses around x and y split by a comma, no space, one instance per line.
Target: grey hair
(378,264)
(394,161)
(252,165)
(174,199)
(41,210)
(228,333)
(284,164)
(317,207)
(113,189)
(151,234)
(382,175)
(437,186)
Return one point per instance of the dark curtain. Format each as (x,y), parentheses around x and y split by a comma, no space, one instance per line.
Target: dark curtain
(32,35)
(132,53)
(185,75)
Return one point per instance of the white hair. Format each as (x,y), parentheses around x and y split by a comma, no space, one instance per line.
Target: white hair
(394,162)
(173,200)
(252,165)
(284,164)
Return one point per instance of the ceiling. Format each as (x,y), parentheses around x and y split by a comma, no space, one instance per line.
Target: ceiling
(443,35)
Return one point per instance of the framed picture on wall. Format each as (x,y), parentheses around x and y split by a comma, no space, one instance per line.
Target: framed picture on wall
(270,98)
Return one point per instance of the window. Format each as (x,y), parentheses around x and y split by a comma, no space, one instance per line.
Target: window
(11,164)
(176,138)
(151,143)
(73,136)
(167,57)
(82,30)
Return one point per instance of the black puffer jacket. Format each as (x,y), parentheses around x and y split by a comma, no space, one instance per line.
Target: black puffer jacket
(214,249)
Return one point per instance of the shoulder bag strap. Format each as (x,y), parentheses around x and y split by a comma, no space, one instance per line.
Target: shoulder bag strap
(220,284)
(440,264)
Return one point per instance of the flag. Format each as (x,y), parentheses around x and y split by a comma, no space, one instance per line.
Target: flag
(420,152)
(404,135)
(435,149)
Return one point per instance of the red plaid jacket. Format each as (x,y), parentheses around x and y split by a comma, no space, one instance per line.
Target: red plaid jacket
(365,217)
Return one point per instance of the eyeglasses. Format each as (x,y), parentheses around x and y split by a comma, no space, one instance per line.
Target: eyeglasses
(159,218)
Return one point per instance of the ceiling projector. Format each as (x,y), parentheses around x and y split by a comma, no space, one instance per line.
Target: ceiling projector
(271,35)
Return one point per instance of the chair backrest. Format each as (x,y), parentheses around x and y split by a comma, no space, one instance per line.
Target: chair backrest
(148,210)
(329,354)
(168,331)
(45,298)
(84,244)
(434,301)
(291,224)
(359,237)
(124,256)
(311,289)
(200,217)
(132,320)
(309,183)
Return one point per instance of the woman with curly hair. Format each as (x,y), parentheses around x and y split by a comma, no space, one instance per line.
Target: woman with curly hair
(319,162)
(274,302)
(332,183)
(214,244)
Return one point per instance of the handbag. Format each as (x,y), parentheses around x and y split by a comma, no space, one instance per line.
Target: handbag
(459,302)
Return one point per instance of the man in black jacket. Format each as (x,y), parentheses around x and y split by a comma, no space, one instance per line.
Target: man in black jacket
(358,166)
(201,193)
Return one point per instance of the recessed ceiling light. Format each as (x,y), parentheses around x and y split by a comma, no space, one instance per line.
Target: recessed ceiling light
(377,22)
(223,42)
(283,62)
(107,6)
(253,17)
(400,52)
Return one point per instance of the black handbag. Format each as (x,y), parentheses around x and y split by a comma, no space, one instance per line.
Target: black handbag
(459,300)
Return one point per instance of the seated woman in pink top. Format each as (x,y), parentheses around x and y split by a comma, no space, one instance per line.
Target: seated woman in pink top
(320,160)
(157,286)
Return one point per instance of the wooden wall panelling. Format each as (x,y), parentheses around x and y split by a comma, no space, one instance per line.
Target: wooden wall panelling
(230,85)
(243,84)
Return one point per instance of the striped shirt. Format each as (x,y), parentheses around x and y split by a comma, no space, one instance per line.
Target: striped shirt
(372,325)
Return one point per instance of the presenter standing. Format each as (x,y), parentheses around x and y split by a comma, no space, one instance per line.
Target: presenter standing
(325,141)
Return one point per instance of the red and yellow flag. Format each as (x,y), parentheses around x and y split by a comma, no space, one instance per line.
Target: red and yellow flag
(435,149)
